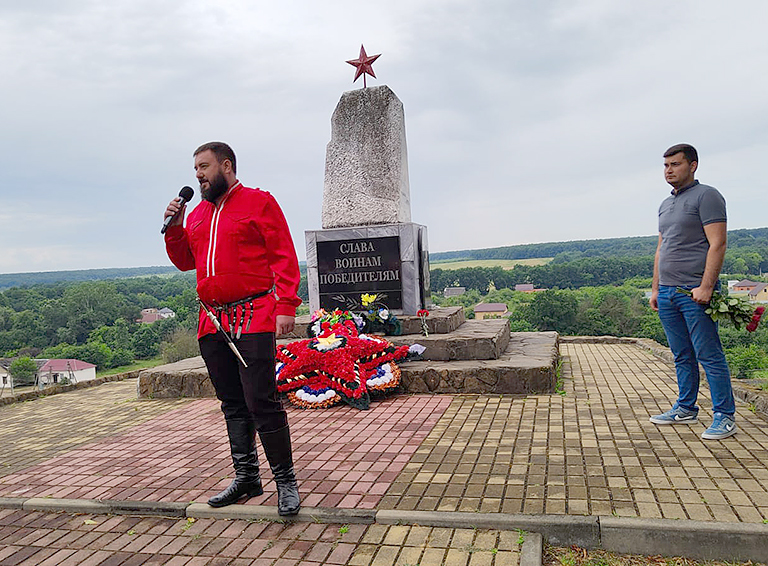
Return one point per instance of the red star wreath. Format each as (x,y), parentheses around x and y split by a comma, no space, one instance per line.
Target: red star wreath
(337,365)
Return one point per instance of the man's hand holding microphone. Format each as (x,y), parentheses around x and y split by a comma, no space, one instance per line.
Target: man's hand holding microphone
(174,214)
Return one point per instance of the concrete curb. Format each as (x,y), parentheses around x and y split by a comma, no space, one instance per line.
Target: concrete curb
(700,540)
(12,503)
(269,513)
(533,549)
(559,530)
(154,508)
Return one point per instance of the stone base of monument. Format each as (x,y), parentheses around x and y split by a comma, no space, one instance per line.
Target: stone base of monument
(474,356)
(528,365)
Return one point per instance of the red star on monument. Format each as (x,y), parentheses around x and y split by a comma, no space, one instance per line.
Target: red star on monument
(364,64)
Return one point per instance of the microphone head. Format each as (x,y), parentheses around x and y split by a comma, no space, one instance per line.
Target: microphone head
(186,193)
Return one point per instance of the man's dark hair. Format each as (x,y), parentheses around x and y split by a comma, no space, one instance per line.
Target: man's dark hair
(688,151)
(222,152)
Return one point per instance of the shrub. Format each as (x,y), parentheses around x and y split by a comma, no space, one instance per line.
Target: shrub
(744,360)
(181,344)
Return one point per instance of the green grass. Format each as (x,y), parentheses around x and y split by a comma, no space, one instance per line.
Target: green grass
(503,263)
(575,556)
(138,364)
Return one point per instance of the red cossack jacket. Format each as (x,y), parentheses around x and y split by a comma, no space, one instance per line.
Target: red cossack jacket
(240,248)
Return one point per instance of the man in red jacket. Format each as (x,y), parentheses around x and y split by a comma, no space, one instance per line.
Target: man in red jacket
(248,275)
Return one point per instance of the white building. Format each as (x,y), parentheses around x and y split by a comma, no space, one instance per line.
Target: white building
(65,371)
(5,378)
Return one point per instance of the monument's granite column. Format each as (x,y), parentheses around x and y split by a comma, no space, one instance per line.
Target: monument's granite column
(366,162)
(368,243)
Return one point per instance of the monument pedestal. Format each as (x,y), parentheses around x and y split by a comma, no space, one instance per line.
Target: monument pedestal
(389,260)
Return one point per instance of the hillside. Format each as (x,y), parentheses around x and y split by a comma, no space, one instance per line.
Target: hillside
(8,280)
(562,252)
(568,251)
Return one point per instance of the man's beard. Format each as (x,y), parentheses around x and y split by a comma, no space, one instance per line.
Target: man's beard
(216,187)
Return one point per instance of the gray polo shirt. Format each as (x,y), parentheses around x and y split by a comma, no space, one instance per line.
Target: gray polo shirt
(684,246)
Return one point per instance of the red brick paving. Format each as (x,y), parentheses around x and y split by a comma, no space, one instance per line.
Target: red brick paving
(344,457)
(133,541)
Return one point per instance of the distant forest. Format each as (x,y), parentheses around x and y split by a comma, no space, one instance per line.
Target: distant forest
(586,263)
(751,245)
(569,251)
(8,280)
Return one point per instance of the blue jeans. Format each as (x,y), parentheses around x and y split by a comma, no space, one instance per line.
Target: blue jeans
(693,339)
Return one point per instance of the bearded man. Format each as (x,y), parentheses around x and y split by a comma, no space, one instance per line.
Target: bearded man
(248,275)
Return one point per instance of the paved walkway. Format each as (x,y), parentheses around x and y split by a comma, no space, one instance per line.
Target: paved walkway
(590,452)
(47,539)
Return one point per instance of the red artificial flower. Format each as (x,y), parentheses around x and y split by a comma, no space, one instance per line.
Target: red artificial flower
(345,369)
(422,312)
(756,316)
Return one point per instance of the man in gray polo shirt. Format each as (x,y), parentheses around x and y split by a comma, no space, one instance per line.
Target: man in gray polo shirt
(692,242)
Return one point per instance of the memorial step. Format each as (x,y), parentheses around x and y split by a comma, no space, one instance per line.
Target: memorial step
(473,340)
(527,366)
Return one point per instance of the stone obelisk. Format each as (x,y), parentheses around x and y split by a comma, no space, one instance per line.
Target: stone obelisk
(366,161)
(368,243)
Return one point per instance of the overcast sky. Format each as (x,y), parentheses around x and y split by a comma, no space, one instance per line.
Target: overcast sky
(526,121)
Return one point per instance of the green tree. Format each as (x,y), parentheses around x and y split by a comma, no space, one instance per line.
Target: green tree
(116,336)
(554,310)
(146,341)
(739,266)
(23,370)
(96,353)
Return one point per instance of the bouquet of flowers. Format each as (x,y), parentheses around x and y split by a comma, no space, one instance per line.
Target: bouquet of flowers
(735,309)
(377,316)
(335,322)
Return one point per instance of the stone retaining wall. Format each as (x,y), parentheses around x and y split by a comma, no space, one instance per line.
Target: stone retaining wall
(54,389)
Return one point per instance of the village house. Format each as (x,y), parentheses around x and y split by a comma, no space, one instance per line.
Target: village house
(528,288)
(744,286)
(50,372)
(454,291)
(152,314)
(5,377)
(65,371)
(490,310)
(759,293)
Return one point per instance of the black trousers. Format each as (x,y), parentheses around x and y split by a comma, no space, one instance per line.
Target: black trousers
(245,392)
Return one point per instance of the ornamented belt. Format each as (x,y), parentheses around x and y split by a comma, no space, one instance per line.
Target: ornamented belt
(239,313)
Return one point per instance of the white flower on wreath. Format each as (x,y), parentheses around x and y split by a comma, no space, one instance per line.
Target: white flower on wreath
(384,314)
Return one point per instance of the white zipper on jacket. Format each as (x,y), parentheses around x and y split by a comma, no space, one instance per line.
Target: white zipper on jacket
(210,266)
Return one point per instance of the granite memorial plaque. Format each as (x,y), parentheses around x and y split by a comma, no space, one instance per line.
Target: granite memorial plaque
(347,269)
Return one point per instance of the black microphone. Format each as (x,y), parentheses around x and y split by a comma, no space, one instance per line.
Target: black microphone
(186,194)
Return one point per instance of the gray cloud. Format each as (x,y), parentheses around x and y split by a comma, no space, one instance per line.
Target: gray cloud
(526,121)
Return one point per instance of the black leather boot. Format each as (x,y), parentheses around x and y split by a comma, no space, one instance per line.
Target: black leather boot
(277,448)
(242,442)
